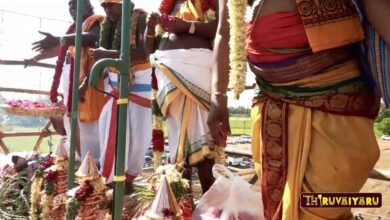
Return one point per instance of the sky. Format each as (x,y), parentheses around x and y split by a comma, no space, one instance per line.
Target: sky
(20,21)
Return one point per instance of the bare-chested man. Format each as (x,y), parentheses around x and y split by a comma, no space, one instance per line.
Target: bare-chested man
(183,69)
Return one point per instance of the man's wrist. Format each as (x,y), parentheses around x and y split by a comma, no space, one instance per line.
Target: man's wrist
(218,94)
(62,40)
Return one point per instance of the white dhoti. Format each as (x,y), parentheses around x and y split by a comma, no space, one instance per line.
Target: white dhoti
(88,132)
(139,125)
(184,83)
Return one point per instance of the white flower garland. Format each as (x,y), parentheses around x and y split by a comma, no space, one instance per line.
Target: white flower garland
(237,56)
(35,191)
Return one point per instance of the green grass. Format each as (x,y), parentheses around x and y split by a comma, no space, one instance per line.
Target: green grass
(238,126)
(18,144)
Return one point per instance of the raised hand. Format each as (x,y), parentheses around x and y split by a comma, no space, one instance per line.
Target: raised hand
(46,43)
(151,22)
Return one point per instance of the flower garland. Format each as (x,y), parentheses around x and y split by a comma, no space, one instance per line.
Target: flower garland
(237,42)
(50,178)
(59,64)
(208,5)
(157,125)
(36,187)
(174,173)
(106,33)
(166,6)
(73,204)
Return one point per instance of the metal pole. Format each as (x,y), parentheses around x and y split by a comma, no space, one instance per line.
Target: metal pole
(123,64)
(122,109)
(75,94)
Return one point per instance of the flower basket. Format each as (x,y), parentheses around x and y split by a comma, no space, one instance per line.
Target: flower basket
(36,112)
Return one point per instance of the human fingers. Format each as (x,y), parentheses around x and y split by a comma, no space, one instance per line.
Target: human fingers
(37,42)
(213,123)
(28,62)
(37,48)
(225,124)
(155,15)
(91,53)
(223,133)
(44,33)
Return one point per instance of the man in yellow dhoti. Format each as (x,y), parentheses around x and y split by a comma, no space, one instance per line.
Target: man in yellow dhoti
(313,119)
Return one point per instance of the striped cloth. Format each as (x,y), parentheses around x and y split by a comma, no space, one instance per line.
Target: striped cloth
(375,56)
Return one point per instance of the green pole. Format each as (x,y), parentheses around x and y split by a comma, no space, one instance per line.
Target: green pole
(123,64)
(122,110)
(75,94)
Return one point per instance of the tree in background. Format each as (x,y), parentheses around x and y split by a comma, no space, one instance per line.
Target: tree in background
(384,126)
(239,111)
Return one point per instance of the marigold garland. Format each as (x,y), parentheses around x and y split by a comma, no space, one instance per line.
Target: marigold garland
(50,178)
(36,187)
(237,56)
(35,190)
(220,155)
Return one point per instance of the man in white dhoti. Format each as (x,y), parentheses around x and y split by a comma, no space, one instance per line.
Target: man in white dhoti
(138,134)
(139,122)
(183,71)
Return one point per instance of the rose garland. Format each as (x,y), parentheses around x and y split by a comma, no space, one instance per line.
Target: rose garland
(36,187)
(50,178)
(157,125)
(166,6)
(237,42)
(74,203)
(59,64)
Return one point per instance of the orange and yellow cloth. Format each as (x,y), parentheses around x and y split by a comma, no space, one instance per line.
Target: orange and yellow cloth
(312,100)
(90,109)
(330,24)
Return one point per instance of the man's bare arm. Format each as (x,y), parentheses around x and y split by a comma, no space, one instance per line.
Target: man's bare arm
(218,118)
(377,13)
